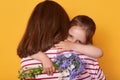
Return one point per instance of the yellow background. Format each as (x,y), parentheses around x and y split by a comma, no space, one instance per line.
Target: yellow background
(14,15)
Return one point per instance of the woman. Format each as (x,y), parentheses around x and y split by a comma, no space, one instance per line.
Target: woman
(48,25)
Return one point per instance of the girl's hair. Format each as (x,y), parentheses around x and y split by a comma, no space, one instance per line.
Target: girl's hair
(87,24)
(48,25)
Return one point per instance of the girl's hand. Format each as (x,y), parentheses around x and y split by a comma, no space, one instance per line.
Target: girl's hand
(48,66)
(47,63)
(64,45)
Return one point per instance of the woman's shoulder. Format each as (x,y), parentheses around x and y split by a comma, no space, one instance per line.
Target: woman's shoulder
(52,50)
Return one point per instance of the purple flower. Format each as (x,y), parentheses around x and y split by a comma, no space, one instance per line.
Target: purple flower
(71,62)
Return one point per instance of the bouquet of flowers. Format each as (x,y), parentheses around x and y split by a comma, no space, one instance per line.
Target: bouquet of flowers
(68,63)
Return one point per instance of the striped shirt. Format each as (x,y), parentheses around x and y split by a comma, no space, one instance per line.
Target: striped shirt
(92,67)
(92,70)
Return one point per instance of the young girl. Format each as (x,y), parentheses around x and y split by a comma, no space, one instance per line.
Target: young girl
(80,40)
(74,40)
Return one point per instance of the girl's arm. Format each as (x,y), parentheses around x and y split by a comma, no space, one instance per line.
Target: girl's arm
(88,50)
(47,63)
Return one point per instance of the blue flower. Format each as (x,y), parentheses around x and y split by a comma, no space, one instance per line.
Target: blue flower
(70,61)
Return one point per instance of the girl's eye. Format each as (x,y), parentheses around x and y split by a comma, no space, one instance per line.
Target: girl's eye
(70,35)
(79,42)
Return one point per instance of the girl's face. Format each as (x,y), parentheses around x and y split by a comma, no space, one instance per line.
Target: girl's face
(77,35)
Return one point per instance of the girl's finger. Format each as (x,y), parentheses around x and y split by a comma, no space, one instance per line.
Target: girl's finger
(48,72)
(51,71)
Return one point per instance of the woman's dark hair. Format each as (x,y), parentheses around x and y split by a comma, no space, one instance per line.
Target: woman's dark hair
(86,23)
(48,25)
